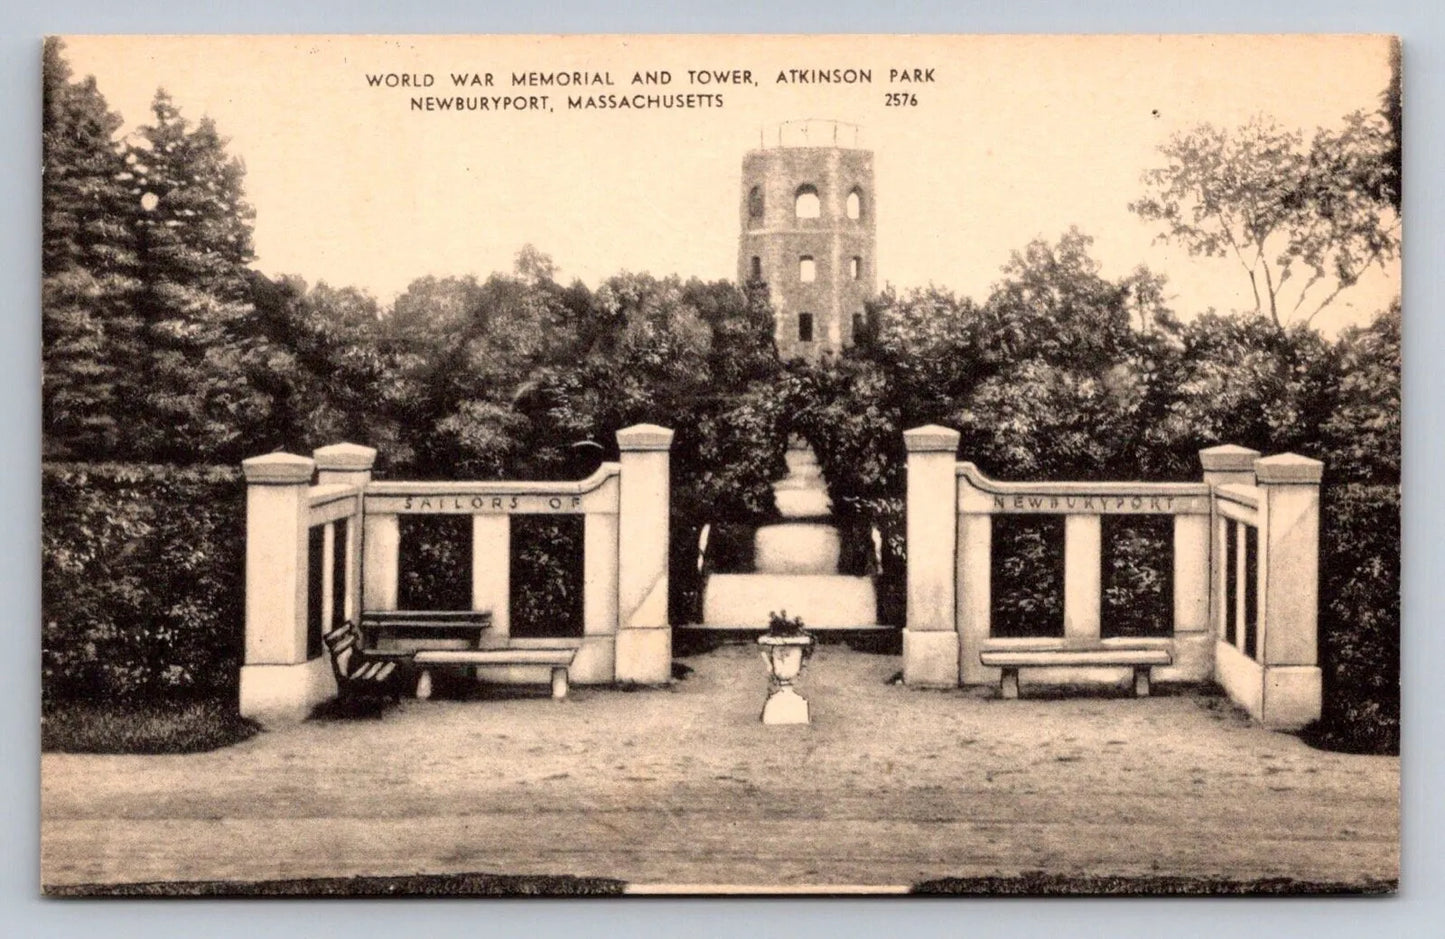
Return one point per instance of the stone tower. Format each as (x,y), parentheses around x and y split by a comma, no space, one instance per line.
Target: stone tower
(808,225)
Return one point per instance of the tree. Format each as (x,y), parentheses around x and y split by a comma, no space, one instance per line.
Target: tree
(324,371)
(1304,222)
(89,266)
(1362,436)
(194,238)
(534,265)
(1392,112)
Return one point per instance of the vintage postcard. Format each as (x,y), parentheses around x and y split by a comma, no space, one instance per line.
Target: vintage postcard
(490,465)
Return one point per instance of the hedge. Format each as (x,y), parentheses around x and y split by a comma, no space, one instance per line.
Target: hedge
(142,583)
(1360,617)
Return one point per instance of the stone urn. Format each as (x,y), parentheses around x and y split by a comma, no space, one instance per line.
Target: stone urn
(785,656)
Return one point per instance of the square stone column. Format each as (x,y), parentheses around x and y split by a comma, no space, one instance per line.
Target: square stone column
(492,570)
(348,464)
(596,661)
(278,683)
(974,597)
(930,639)
(380,560)
(1083,576)
(1289,569)
(1227,464)
(644,635)
(344,464)
(1193,638)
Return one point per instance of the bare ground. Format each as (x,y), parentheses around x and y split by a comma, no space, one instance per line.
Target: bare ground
(889,785)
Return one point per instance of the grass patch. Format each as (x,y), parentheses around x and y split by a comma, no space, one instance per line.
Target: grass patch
(188,726)
(1041,884)
(414,885)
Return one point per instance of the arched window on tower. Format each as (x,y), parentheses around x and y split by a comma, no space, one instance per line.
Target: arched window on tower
(805,327)
(855,267)
(806,203)
(807,270)
(755,204)
(855,204)
(756,268)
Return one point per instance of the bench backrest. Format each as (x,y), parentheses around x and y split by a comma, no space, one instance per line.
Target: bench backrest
(344,641)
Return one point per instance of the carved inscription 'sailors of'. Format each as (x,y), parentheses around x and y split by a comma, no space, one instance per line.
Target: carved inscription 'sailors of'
(445,503)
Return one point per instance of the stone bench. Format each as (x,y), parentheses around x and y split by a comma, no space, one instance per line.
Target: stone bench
(432,636)
(557,660)
(1140,658)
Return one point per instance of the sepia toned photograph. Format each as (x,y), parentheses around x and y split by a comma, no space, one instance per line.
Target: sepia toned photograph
(720,465)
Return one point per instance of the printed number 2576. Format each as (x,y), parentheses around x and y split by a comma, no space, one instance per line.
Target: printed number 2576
(900,99)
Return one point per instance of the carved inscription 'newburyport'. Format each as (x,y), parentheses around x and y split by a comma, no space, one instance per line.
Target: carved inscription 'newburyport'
(1101,504)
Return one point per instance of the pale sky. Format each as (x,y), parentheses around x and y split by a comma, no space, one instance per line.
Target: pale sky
(1017,138)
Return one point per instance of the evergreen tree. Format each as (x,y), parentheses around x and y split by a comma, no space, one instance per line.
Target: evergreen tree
(194,239)
(89,266)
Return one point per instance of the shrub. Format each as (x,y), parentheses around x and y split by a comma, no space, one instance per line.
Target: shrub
(142,580)
(546,575)
(1138,576)
(435,562)
(1360,617)
(1027,563)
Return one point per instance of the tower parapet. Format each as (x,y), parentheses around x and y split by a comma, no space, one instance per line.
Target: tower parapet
(808,225)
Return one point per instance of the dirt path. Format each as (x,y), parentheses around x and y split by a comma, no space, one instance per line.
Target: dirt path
(889,786)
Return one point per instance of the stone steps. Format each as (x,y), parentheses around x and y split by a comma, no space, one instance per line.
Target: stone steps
(796,548)
(796,565)
(802,503)
(824,601)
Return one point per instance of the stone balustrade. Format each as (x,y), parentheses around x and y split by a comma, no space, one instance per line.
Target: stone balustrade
(951,506)
(626,634)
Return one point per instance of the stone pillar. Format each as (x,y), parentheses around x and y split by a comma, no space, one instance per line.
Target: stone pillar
(1241,591)
(644,636)
(596,661)
(492,570)
(328,575)
(380,557)
(975,597)
(1193,639)
(1226,464)
(1289,589)
(348,464)
(278,684)
(344,464)
(1083,576)
(930,642)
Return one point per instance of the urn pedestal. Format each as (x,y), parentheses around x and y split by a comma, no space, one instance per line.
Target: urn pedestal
(785,656)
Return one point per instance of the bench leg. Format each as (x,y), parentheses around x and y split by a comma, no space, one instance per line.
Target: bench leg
(1141,682)
(423,685)
(559,683)
(1008,684)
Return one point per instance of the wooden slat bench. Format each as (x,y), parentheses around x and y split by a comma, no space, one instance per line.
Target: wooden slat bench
(420,628)
(365,672)
(1010,660)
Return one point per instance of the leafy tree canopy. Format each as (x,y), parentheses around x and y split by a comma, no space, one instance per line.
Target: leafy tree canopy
(1303,220)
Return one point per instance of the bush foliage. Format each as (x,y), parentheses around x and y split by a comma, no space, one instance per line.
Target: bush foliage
(142,586)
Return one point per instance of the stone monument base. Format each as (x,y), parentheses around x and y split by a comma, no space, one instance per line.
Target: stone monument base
(785,706)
